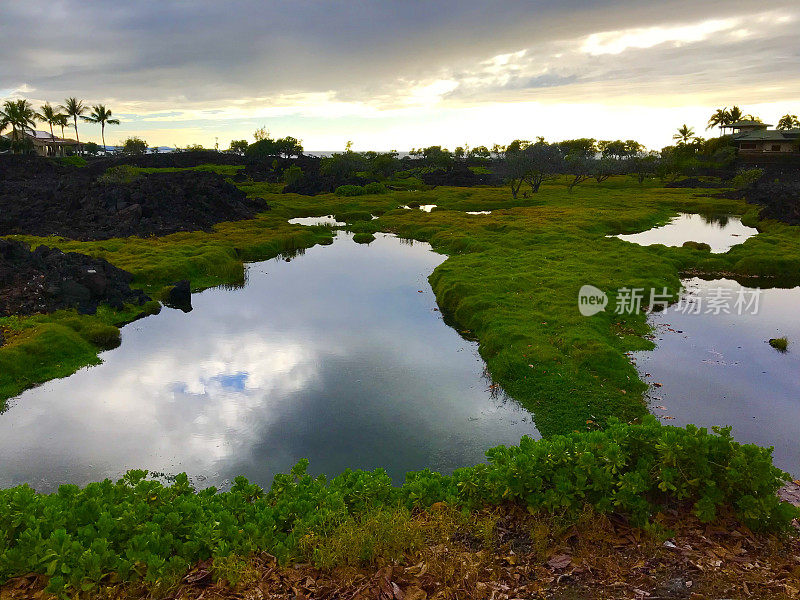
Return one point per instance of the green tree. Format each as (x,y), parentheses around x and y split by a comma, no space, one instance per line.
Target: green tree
(49,115)
(735,114)
(134,145)
(720,118)
(684,136)
(62,121)
(19,115)
(288,146)
(74,108)
(100,114)
(788,122)
(238,146)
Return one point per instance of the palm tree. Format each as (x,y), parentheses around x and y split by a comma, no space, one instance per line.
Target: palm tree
(101,115)
(788,122)
(62,121)
(735,114)
(720,118)
(18,114)
(74,108)
(49,115)
(684,135)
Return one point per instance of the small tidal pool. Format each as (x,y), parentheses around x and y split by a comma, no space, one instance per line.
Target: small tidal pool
(337,355)
(720,232)
(714,366)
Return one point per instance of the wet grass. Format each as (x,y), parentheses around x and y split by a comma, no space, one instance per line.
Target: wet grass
(511,279)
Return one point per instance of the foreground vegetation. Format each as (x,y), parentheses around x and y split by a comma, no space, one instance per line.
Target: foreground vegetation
(140,530)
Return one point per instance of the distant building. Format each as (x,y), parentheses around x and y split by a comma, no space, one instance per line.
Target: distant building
(45,144)
(753,137)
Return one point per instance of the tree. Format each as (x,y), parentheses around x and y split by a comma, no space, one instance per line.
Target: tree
(534,164)
(480,152)
(581,147)
(261,134)
(19,115)
(288,146)
(684,136)
(788,122)
(62,121)
(74,108)
(735,114)
(720,118)
(134,146)
(100,114)
(238,147)
(49,115)
(91,148)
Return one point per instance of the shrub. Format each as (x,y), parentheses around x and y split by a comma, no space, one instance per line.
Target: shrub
(138,528)
(746,178)
(350,190)
(780,344)
(103,336)
(697,246)
(134,146)
(363,238)
(73,161)
(375,188)
(120,175)
(292,175)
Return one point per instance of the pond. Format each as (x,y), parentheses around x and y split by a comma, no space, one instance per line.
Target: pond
(720,232)
(338,355)
(718,369)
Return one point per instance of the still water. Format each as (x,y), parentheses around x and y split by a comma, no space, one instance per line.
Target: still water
(716,367)
(339,356)
(719,232)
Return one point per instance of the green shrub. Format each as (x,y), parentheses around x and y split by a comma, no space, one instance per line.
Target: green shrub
(73,161)
(375,188)
(350,190)
(141,529)
(780,344)
(120,175)
(697,246)
(363,238)
(292,175)
(746,178)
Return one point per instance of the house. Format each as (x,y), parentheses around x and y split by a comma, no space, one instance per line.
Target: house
(45,144)
(752,137)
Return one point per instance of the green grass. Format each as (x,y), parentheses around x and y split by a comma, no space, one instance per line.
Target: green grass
(511,279)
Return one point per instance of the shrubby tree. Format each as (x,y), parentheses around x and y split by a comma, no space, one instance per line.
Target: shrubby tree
(343,165)
(134,146)
(530,163)
(238,147)
(91,148)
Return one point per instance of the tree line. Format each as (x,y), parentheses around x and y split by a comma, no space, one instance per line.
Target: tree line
(20,116)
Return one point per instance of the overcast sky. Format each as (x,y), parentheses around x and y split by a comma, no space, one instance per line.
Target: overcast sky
(402,74)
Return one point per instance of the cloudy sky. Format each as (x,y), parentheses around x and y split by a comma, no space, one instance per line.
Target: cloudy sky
(401,74)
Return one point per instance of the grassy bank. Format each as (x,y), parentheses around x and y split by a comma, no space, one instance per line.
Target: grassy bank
(140,531)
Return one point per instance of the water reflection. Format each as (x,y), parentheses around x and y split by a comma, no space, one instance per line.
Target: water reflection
(721,232)
(718,369)
(325,220)
(338,356)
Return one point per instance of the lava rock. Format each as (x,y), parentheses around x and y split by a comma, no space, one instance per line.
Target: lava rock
(180,296)
(48,279)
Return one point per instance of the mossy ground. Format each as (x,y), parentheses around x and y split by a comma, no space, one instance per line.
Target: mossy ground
(511,279)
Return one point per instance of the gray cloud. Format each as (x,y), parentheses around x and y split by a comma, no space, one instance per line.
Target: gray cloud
(189,53)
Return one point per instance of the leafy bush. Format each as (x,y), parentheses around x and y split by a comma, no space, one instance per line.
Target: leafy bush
(73,161)
(120,175)
(780,344)
(134,146)
(141,529)
(746,178)
(375,188)
(292,175)
(697,246)
(350,190)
